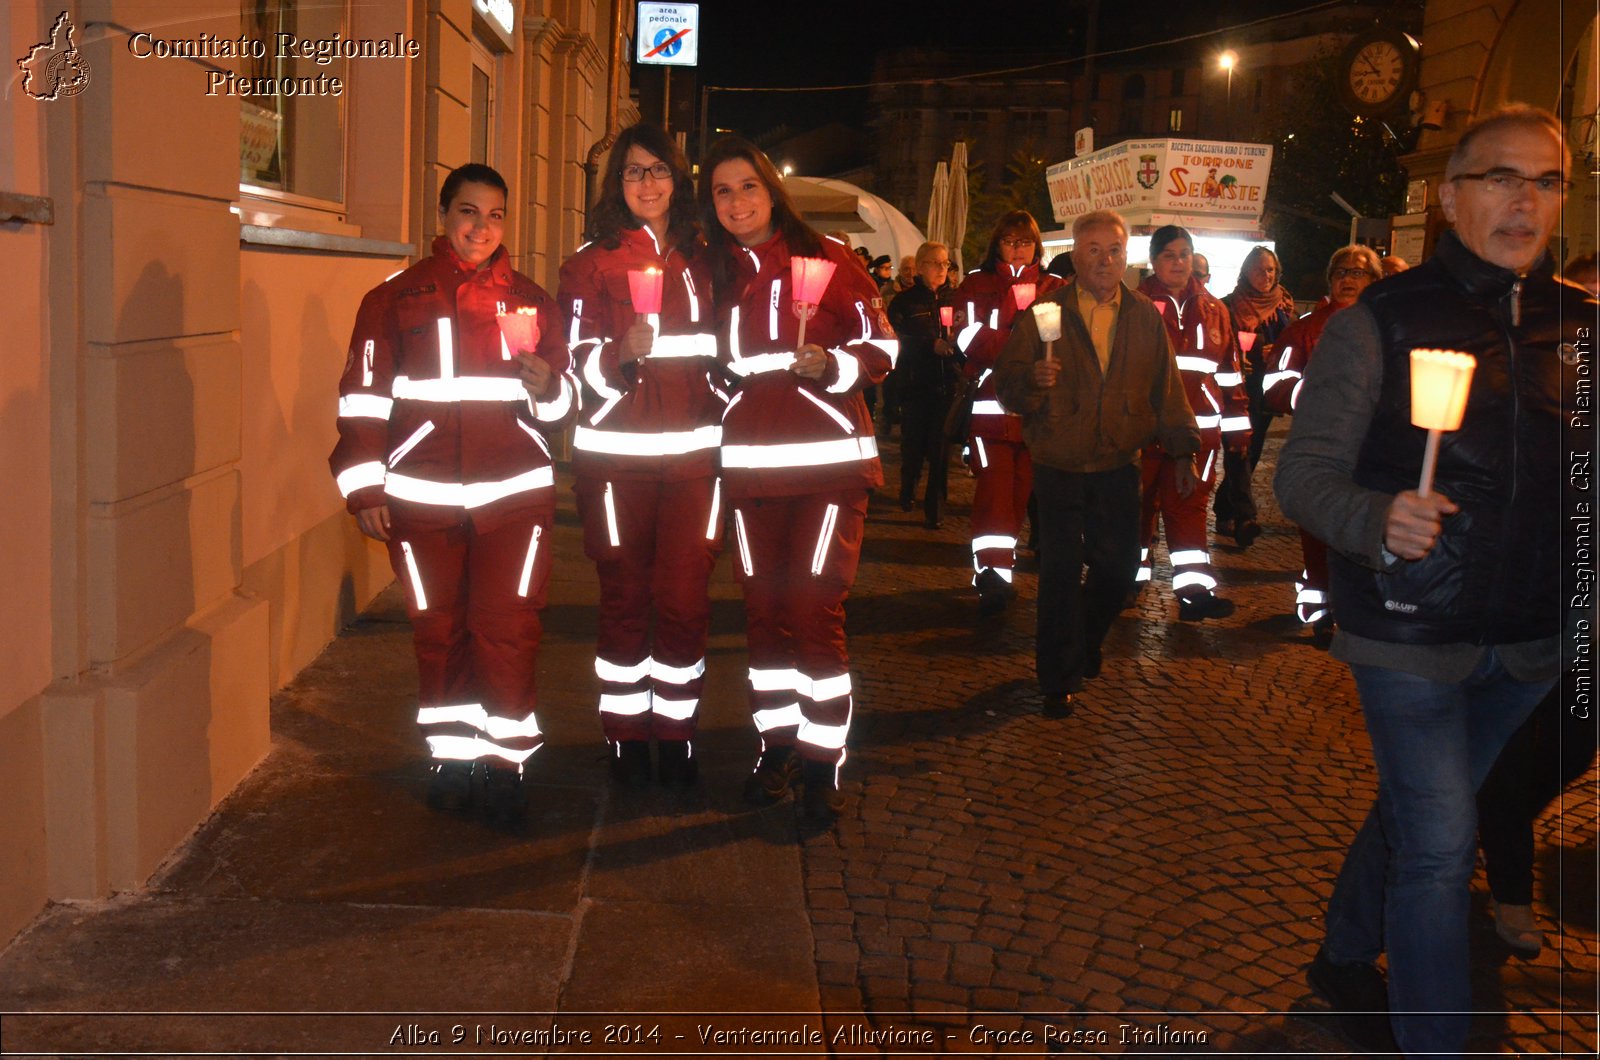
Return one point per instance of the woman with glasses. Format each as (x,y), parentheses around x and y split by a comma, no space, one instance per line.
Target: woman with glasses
(1000,462)
(798,459)
(645,450)
(1259,306)
(1350,270)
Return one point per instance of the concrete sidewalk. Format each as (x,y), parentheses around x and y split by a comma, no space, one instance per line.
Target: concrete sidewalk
(1145,878)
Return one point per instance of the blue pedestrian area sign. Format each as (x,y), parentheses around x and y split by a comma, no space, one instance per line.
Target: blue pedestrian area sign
(669,34)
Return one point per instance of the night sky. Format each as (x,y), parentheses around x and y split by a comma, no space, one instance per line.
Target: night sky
(836,42)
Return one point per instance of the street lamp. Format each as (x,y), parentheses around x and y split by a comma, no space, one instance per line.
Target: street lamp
(1227,61)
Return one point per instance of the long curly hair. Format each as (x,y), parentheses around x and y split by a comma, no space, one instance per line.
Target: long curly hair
(611,214)
(803,241)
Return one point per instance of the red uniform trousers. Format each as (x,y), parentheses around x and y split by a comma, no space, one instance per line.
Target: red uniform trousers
(653,544)
(1311,588)
(1004,473)
(1184,519)
(474,600)
(796,559)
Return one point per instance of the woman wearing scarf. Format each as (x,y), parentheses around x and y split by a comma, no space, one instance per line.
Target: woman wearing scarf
(645,450)
(1261,307)
(799,460)
(1350,271)
(1202,340)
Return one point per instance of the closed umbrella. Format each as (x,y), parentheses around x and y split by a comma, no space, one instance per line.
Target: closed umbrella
(937,204)
(955,218)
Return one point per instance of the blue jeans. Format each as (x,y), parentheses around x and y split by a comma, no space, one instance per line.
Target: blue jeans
(1405,883)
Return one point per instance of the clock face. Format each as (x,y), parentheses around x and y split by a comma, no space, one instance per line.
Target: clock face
(1376,72)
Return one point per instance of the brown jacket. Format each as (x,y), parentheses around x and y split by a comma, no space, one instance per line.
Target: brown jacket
(1091,421)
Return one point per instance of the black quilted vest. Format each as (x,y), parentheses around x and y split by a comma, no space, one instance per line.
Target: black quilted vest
(1493,577)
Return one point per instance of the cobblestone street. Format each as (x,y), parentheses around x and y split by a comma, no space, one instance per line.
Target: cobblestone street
(1169,848)
(1144,878)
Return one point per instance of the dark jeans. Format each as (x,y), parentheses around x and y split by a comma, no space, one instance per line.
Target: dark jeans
(1233,500)
(922,441)
(1085,518)
(1553,748)
(1405,884)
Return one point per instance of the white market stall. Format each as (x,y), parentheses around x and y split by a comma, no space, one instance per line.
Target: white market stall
(830,205)
(1215,189)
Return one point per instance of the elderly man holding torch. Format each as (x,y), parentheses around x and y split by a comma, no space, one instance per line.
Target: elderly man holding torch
(1447,591)
(1091,371)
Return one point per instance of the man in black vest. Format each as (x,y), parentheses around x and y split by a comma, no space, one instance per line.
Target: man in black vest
(1449,604)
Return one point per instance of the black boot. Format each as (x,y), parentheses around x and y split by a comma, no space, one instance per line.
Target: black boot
(450,786)
(775,771)
(505,793)
(676,765)
(823,800)
(630,763)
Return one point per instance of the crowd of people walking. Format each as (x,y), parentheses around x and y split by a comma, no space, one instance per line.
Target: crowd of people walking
(714,358)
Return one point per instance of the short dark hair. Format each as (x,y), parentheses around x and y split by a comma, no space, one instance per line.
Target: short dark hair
(1016,221)
(611,214)
(1168,234)
(1511,114)
(471,173)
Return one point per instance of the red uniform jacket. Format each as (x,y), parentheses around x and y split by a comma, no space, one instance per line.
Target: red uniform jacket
(660,417)
(1280,388)
(990,310)
(433,419)
(1208,358)
(783,435)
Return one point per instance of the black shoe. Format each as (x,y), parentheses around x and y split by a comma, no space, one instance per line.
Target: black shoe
(994,592)
(505,794)
(933,522)
(1322,632)
(1246,532)
(1060,706)
(450,786)
(906,504)
(1204,606)
(630,763)
(823,801)
(775,771)
(1359,998)
(1091,663)
(676,765)
(1225,526)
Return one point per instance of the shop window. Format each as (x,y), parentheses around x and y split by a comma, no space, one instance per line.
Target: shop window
(293,143)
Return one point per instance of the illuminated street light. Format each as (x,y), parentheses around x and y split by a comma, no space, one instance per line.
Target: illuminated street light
(1227,61)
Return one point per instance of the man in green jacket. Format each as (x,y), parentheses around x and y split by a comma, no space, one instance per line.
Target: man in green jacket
(1090,401)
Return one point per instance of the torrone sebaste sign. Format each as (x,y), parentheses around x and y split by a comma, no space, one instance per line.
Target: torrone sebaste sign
(1164,176)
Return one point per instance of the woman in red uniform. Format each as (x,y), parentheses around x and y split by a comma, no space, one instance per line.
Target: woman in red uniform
(999,459)
(645,451)
(1202,338)
(1350,271)
(442,455)
(799,460)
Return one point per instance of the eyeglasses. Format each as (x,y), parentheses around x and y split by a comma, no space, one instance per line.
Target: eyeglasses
(1510,182)
(1349,274)
(634,174)
(1013,244)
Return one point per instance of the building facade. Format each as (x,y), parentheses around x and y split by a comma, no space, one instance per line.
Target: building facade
(1478,56)
(190,214)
